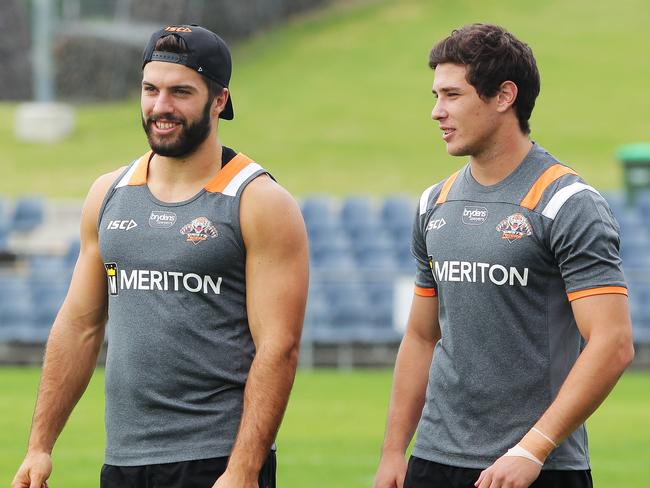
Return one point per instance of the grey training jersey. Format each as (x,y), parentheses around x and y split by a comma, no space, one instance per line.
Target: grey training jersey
(179,344)
(505,261)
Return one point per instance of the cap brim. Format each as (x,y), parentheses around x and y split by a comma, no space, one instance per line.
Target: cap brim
(228,113)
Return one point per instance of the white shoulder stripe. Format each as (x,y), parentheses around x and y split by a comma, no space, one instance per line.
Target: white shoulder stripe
(560,198)
(245,173)
(424,199)
(127,176)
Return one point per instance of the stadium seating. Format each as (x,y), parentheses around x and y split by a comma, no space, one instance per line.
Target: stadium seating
(28,214)
(4,235)
(359,247)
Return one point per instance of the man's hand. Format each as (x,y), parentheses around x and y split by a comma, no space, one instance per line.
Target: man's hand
(391,471)
(233,480)
(34,471)
(509,472)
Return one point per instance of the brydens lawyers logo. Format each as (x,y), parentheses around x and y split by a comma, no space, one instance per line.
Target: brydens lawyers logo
(111,275)
(474,215)
(200,229)
(161,220)
(514,227)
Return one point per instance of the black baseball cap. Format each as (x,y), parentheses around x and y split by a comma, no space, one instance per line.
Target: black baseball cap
(206,53)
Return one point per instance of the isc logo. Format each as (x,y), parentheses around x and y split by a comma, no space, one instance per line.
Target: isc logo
(121,225)
(436,224)
(175,28)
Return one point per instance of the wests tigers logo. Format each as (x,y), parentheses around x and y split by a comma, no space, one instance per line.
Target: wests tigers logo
(200,229)
(514,227)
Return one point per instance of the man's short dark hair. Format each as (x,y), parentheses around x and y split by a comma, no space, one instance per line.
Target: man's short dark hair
(176,44)
(492,55)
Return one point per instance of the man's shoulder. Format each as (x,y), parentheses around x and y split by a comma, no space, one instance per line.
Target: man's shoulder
(437,193)
(105,182)
(266,193)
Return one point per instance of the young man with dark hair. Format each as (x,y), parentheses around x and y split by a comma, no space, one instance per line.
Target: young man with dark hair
(198,259)
(519,326)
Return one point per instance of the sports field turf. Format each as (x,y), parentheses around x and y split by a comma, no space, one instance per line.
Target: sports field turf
(331,434)
(340,101)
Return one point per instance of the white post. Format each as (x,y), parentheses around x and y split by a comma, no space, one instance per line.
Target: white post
(43,120)
(43,82)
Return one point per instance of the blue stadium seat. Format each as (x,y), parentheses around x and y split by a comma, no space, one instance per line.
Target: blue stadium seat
(4,235)
(397,208)
(332,253)
(28,214)
(405,259)
(316,209)
(616,201)
(340,287)
(630,222)
(48,293)
(357,212)
(376,241)
(326,236)
(635,250)
(377,259)
(351,315)
(72,253)
(357,208)
(400,230)
(17,320)
(640,312)
(318,321)
(380,295)
(13,288)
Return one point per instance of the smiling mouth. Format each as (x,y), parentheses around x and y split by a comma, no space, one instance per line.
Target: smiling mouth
(447,132)
(165,125)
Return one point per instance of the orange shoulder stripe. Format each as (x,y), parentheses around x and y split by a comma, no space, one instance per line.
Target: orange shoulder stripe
(227,173)
(533,197)
(425,292)
(605,290)
(442,198)
(139,176)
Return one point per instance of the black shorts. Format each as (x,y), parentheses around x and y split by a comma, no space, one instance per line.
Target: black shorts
(427,474)
(187,474)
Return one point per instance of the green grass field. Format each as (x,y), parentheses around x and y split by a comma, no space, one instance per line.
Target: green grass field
(331,434)
(343,96)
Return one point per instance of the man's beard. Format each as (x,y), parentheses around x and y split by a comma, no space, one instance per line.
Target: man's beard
(186,142)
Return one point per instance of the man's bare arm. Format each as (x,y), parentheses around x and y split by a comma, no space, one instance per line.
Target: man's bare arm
(604,322)
(409,388)
(72,347)
(277,276)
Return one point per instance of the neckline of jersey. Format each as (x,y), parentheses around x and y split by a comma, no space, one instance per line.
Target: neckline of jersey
(193,198)
(512,177)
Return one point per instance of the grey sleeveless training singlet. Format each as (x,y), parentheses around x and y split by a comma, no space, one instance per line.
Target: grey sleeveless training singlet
(179,344)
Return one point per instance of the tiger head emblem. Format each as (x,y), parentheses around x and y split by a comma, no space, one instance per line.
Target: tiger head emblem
(200,229)
(514,227)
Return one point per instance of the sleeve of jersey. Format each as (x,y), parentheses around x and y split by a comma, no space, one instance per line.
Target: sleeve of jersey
(585,240)
(425,286)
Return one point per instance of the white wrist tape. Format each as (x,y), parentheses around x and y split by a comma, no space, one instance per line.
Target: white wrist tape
(519,451)
(535,429)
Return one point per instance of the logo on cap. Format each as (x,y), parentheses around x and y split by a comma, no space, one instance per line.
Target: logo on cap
(175,28)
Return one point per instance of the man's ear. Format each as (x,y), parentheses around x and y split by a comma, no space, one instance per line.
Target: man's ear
(219,103)
(506,96)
